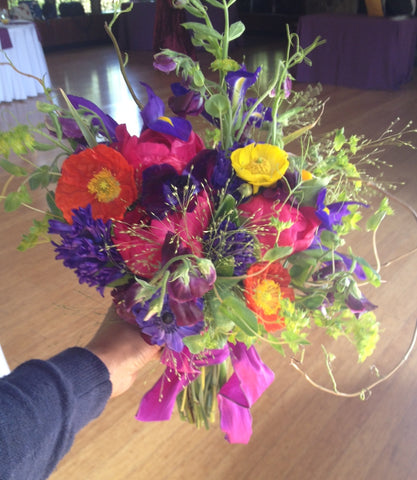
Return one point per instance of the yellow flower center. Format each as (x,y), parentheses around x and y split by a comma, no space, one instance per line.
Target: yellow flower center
(267,296)
(260,165)
(104,186)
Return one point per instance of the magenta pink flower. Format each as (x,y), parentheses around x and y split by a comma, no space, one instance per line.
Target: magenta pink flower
(259,210)
(139,239)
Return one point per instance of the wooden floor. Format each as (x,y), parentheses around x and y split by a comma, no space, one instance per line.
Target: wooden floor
(300,433)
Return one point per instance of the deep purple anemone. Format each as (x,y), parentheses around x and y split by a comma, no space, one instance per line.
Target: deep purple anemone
(162,328)
(164,190)
(86,247)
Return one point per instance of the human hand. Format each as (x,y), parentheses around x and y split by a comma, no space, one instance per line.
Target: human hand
(120,346)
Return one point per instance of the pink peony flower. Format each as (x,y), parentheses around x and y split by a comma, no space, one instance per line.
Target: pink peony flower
(300,235)
(153,148)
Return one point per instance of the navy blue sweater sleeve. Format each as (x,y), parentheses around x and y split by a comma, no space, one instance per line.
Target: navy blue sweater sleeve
(43,404)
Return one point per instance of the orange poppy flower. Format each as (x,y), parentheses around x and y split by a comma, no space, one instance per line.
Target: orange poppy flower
(99,176)
(265,286)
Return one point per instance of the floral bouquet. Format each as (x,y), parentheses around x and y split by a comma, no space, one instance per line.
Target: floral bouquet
(208,245)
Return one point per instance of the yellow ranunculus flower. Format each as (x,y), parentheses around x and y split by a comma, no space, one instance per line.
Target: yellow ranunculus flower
(260,164)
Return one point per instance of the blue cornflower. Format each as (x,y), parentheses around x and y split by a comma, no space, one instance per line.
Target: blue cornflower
(86,247)
(162,328)
(228,240)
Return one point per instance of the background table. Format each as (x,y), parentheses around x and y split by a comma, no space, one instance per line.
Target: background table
(360,51)
(27,55)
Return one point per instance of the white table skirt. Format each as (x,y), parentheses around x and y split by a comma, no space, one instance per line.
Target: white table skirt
(4,367)
(27,55)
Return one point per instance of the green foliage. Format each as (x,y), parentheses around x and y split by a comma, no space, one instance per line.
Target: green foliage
(38,233)
(15,199)
(375,221)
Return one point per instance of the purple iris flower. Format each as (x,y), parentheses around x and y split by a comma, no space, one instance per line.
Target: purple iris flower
(230,241)
(347,261)
(239,82)
(164,63)
(162,328)
(153,118)
(86,247)
(104,120)
(185,101)
(259,115)
(332,214)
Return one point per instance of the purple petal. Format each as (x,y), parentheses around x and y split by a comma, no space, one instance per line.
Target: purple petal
(164,63)
(153,118)
(359,305)
(186,313)
(239,82)
(109,123)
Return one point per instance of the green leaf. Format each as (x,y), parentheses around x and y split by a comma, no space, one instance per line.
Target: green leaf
(373,277)
(330,239)
(215,3)
(225,284)
(39,230)
(236,30)
(294,340)
(339,139)
(13,169)
(195,343)
(88,135)
(202,31)
(275,253)
(236,310)
(43,147)
(45,107)
(275,345)
(313,301)
(306,193)
(225,266)
(55,211)
(217,105)
(300,273)
(226,209)
(384,209)
(40,178)
(15,199)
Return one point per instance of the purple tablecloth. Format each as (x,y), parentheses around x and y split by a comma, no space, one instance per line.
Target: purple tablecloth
(5,41)
(360,51)
(135,29)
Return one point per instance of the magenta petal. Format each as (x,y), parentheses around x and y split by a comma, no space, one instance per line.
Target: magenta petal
(158,403)
(250,379)
(254,375)
(182,368)
(235,421)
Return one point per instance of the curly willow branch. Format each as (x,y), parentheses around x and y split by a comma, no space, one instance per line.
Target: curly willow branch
(367,390)
(296,364)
